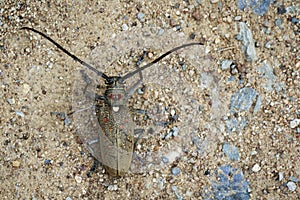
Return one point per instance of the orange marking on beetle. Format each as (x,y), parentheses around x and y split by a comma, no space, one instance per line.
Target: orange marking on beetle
(105,119)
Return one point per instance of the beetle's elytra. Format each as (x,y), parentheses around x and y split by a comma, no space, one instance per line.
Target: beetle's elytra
(116,134)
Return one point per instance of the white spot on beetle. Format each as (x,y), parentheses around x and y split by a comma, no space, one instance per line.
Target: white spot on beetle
(116,109)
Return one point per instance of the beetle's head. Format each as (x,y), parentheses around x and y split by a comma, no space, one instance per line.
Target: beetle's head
(115,92)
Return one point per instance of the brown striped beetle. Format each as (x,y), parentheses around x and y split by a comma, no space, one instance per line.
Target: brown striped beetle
(114,144)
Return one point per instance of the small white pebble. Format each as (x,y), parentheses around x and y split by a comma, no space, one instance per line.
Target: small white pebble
(214,1)
(253,153)
(256,168)
(78,179)
(237,18)
(173,112)
(294,123)
(280,176)
(150,55)
(124,27)
(292,186)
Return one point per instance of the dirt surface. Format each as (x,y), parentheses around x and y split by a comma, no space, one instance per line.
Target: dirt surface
(239,123)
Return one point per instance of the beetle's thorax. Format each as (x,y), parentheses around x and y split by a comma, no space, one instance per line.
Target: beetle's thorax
(115,93)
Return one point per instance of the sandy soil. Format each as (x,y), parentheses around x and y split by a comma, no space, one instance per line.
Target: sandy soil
(245,147)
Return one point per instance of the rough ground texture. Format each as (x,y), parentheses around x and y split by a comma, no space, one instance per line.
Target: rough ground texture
(246,101)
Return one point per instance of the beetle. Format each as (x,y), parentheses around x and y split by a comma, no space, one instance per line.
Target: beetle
(115,139)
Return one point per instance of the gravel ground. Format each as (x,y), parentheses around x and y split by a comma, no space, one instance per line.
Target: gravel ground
(233,102)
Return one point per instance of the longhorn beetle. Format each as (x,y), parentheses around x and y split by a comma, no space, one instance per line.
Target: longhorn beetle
(116,135)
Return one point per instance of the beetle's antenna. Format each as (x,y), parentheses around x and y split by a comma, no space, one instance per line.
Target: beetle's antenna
(68,53)
(157,59)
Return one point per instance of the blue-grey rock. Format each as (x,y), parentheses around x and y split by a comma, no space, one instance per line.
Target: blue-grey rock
(11,101)
(245,35)
(165,159)
(175,131)
(291,186)
(176,171)
(294,20)
(235,125)
(140,16)
(231,152)
(226,64)
(259,7)
(161,31)
(243,100)
(67,121)
(230,184)
(278,22)
(269,79)
(294,179)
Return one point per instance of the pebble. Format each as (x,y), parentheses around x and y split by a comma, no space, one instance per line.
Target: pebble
(231,152)
(270,80)
(196,15)
(258,7)
(245,35)
(226,64)
(11,101)
(161,31)
(176,171)
(140,16)
(67,121)
(278,22)
(268,45)
(294,123)
(168,136)
(292,186)
(78,179)
(173,112)
(175,131)
(294,179)
(214,1)
(231,184)
(26,89)
(16,163)
(256,168)
(244,99)
(294,20)
(237,18)
(140,91)
(112,187)
(68,198)
(165,159)
(179,197)
(124,27)
(20,113)
(178,28)
(47,162)
(280,176)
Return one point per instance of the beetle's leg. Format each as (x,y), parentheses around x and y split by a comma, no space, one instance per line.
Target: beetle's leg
(88,81)
(140,132)
(131,90)
(93,168)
